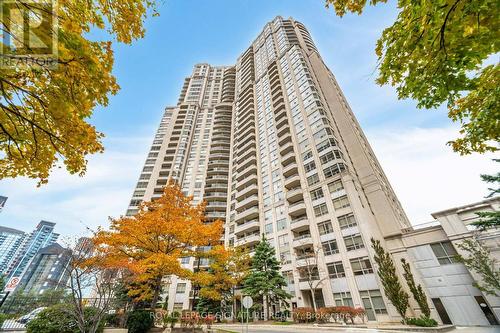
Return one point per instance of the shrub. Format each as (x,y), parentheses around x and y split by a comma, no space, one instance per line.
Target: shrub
(303,315)
(171,319)
(140,321)
(422,321)
(112,320)
(57,319)
(3,317)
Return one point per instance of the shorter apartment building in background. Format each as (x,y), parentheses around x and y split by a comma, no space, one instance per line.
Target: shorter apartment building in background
(432,249)
(17,252)
(3,200)
(48,270)
(10,242)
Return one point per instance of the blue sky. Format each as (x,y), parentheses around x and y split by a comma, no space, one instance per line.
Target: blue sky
(409,143)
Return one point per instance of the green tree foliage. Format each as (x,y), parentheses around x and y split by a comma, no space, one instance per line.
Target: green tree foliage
(480,261)
(206,306)
(437,52)
(490,220)
(389,278)
(59,318)
(44,109)
(265,279)
(140,321)
(416,290)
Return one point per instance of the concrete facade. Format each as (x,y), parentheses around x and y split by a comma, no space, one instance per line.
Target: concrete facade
(445,278)
(273,147)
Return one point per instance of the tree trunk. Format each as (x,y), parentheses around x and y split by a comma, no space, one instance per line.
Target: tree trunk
(313,296)
(156,293)
(267,307)
(233,305)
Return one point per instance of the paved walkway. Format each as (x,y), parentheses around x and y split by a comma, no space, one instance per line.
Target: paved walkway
(314,329)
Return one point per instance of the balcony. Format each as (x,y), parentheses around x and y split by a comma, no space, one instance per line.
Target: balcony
(215,215)
(286,148)
(247,227)
(302,241)
(294,195)
(217,187)
(217,171)
(246,164)
(247,202)
(284,138)
(213,179)
(247,172)
(297,209)
(282,122)
(245,182)
(211,196)
(288,158)
(219,156)
(218,162)
(245,155)
(248,214)
(217,206)
(252,189)
(292,181)
(305,260)
(248,240)
(299,223)
(291,169)
(278,114)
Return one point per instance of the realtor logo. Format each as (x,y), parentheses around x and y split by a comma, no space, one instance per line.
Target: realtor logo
(28,33)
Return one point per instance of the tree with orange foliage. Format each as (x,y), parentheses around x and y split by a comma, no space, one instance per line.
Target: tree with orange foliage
(151,243)
(228,268)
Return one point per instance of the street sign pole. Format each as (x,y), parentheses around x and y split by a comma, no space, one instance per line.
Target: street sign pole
(247,302)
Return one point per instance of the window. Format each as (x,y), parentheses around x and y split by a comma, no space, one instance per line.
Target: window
(181,288)
(373,303)
(281,224)
(325,228)
(283,241)
(320,210)
(346,221)
(268,228)
(310,166)
(353,242)
(307,155)
(343,299)
(330,156)
(317,194)
(341,202)
(314,179)
(330,247)
(361,266)
(335,186)
(444,252)
(185,260)
(288,275)
(178,307)
(285,257)
(333,169)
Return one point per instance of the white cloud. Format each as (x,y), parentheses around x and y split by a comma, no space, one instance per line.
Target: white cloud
(425,173)
(76,202)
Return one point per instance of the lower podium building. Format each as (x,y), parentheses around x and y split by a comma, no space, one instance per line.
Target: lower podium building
(272,146)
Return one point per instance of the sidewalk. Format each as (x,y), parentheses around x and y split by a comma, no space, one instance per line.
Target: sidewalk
(298,328)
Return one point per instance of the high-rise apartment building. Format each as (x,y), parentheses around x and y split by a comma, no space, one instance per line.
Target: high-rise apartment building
(273,147)
(42,236)
(10,241)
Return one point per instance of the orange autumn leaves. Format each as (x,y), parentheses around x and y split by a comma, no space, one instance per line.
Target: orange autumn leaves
(150,244)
